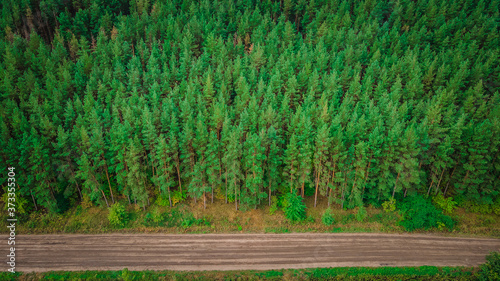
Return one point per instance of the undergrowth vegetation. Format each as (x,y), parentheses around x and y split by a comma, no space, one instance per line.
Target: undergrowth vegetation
(223,218)
(419,213)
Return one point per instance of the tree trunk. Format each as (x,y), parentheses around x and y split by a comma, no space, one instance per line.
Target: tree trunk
(109,183)
(34,202)
(366,177)
(342,203)
(353,183)
(439,182)
(103,195)
(169,197)
(302,189)
(79,191)
(235,195)
(269,193)
(179,177)
(317,185)
(395,184)
(226,185)
(446,189)
(430,186)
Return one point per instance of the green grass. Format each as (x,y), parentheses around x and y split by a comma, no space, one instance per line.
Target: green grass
(338,273)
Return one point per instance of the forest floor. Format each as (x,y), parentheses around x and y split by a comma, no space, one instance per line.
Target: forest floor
(40,253)
(219,217)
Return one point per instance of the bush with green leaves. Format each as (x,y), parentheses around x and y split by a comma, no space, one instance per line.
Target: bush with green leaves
(192,221)
(496,207)
(473,207)
(154,217)
(276,204)
(491,269)
(347,218)
(419,213)
(361,214)
(445,204)
(21,203)
(117,216)
(328,218)
(162,200)
(389,205)
(294,208)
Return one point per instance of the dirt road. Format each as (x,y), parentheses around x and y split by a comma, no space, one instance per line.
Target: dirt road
(243,251)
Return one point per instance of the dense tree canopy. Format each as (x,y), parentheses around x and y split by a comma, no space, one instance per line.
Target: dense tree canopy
(359,101)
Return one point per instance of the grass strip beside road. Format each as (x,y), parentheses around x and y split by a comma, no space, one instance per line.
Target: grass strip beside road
(338,273)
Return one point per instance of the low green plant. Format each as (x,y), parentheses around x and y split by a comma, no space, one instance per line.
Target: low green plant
(361,214)
(276,204)
(491,269)
(347,218)
(419,213)
(327,218)
(178,196)
(294,208)
(126,275)
(496,207)
(389,205)
(192,221)
(21,203)
(162,200)
(310,219)
(154,217)
(117,216)
(485,209)
(445,204)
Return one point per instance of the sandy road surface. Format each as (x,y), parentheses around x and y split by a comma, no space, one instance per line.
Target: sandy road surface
(242,251)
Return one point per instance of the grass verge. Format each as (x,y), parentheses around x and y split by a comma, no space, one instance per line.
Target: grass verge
(338,273)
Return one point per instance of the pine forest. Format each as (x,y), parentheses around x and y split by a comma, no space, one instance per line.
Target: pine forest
(243,102)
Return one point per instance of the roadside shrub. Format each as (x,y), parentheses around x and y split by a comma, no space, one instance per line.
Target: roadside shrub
(192,221)
(347,219)
(473,207)
(86,202)
(162,200)
(418,213)
(491,269)
(154,217)
(189,221)
(496,207)
(310,219)
(361,214)
(445,204)
(178,196)
(276,204)
(389,205)
(21,203)
(327,217)
(294,208)
(117,215)
(220,193)
(126,276)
